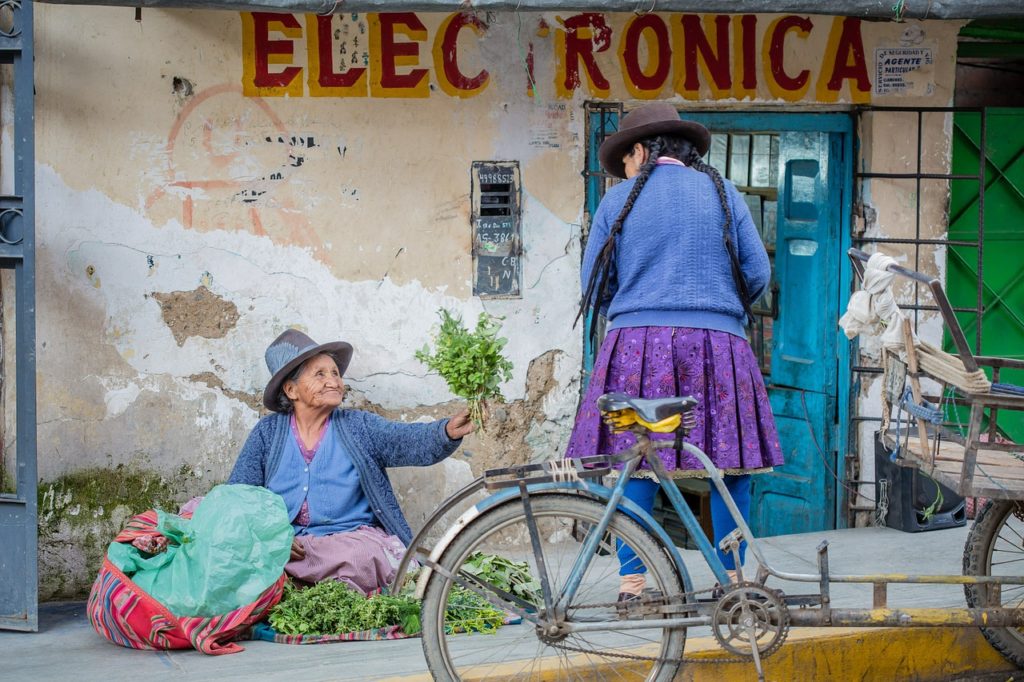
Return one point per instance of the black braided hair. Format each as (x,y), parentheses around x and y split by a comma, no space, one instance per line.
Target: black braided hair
(695,162)
(602,266)
(682,149)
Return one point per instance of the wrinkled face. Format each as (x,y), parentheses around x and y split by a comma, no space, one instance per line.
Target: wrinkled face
(318,385)
(634,159)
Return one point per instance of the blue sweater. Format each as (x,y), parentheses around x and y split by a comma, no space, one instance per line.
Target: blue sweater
(670,267)
(372,442)
(329,484)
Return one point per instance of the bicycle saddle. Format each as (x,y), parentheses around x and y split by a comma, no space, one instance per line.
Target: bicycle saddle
(649,409)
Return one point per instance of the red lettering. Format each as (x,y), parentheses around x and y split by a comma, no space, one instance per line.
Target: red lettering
(716,59)
(394,53)
(266,49)
(581,49)
(748,47)
(850,47)
(449,53)
(659,57)
(776,51)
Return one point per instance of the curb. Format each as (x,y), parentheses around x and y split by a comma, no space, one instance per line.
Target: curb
(926,654)
(857,654)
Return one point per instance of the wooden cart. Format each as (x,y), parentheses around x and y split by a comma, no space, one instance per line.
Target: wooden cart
(978,462)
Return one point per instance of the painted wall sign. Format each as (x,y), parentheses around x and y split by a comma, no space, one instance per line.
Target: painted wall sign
(894,66)
(647,56)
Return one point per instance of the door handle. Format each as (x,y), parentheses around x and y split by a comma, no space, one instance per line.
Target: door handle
(775,300)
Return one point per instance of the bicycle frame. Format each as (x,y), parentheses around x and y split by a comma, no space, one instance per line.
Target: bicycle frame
(556,476)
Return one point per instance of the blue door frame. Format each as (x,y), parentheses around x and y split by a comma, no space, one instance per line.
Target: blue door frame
(824,403)
(18,562)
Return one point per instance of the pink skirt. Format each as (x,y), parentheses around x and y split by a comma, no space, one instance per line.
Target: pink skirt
(365,558)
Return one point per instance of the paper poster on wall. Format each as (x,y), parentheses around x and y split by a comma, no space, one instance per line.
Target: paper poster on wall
(903,70)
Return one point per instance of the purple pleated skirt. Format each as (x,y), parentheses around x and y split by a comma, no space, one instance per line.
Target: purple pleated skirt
(735,426)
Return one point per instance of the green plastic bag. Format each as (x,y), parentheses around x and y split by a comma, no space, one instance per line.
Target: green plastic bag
(233,548)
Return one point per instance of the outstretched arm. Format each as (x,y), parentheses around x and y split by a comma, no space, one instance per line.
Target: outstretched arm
(395,444)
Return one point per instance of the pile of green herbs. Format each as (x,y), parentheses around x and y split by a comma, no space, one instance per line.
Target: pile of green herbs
(332,607)
(470,362)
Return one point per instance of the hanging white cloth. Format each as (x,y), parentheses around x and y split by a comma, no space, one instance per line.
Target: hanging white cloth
(873,309)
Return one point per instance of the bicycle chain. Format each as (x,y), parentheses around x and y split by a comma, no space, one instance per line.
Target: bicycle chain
(636,657)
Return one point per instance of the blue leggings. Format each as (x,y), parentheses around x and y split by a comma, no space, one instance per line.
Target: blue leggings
(642,491)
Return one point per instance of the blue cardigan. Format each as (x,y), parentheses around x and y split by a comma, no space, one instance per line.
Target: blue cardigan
(670,267)
(374,443)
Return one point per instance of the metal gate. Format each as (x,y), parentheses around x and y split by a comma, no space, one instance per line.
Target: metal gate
(964,249)
(18,592)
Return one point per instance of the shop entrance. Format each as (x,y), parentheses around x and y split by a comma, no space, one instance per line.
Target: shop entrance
(795,173)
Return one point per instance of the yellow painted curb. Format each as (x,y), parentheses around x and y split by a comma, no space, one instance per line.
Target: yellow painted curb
(836,655)
(858,654)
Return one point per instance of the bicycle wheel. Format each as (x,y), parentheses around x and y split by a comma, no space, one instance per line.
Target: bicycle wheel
(518,650)
(995,547)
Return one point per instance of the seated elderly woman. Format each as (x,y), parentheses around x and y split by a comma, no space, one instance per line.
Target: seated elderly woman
(328,464)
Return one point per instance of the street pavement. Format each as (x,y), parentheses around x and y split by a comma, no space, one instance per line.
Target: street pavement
(66,647)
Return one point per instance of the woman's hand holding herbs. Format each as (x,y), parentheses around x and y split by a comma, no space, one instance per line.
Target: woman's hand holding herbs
(459,426)
(471,362)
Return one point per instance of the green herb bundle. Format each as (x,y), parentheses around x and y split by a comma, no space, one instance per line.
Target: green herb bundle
(512,576)
(332,608)
(470,362)
(469,612)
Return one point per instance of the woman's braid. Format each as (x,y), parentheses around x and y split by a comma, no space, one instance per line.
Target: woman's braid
(602,267)
(697,163)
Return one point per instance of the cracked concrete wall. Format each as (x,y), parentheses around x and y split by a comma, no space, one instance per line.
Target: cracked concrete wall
(182,225)
(168,259)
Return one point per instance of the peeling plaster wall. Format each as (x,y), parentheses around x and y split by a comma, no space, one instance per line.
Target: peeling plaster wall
(167,261)
(182,225)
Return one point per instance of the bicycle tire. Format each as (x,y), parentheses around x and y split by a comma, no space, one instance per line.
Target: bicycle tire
(458,657)
(993,542)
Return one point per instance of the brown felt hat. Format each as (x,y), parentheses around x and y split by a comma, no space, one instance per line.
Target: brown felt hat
(291,349)
(650,120)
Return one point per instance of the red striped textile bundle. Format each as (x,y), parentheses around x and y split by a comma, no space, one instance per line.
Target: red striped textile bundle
(123,613)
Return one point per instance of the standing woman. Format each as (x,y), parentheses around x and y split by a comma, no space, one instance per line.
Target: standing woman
(674,262)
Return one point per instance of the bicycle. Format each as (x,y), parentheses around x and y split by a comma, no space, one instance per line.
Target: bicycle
(560,520)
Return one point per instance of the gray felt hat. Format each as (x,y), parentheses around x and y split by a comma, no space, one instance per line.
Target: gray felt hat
(291,349)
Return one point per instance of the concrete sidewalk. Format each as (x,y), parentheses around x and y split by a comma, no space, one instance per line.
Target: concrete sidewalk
(66,648)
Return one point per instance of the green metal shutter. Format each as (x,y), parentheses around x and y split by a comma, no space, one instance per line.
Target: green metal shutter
(1001,213)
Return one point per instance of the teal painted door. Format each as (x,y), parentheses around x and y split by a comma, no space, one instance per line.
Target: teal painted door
(794,172)
(800,496)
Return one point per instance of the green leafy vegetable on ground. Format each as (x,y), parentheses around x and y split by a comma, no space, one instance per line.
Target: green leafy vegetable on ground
(470,362)
(469,612)
(332,607)
(512,576)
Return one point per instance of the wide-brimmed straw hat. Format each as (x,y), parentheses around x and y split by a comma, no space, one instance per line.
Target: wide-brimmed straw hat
(650,120)
(291,349)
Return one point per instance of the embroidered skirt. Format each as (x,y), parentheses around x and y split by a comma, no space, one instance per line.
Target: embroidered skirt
(735,426)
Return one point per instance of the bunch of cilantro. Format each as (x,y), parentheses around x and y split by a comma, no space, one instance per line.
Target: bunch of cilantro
(470,362)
